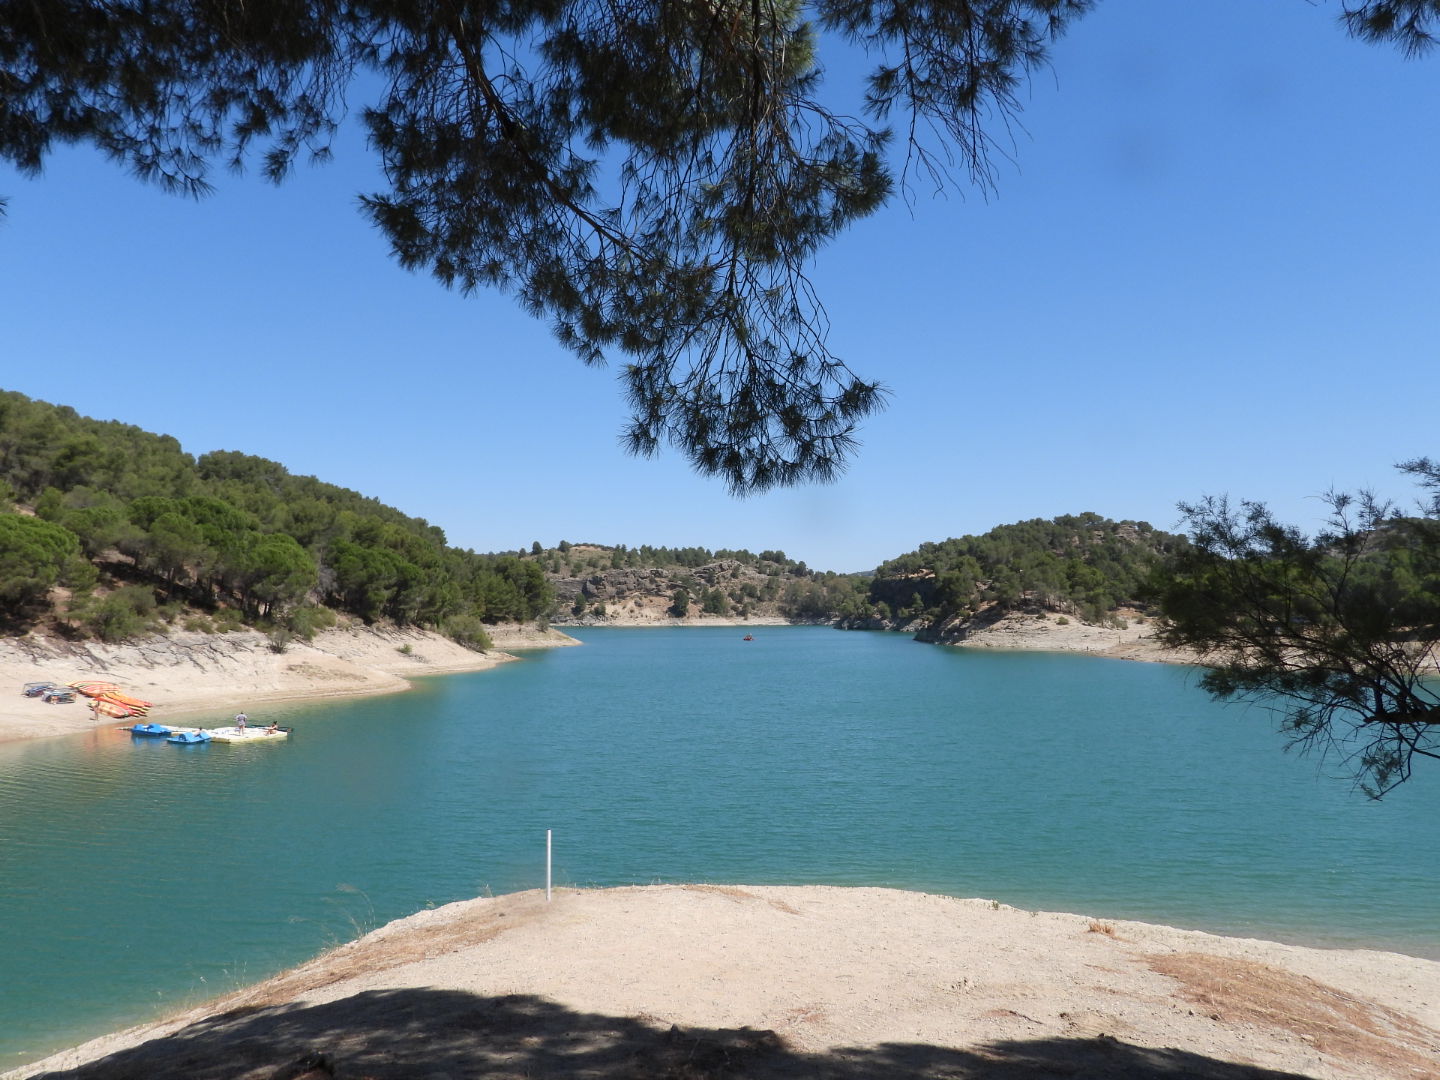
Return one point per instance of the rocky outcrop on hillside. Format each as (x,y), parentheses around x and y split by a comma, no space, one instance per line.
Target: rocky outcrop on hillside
(646,595)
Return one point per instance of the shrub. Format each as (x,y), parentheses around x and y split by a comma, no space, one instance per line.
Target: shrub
(228,619)
(123,614)
(306,622)
(469,631)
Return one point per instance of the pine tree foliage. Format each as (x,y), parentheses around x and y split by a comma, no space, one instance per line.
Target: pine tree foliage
(653,178)
(1339,632)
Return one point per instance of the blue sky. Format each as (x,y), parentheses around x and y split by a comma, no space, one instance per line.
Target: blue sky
(1211,267)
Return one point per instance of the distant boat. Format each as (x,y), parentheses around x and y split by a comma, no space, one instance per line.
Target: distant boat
(749,637)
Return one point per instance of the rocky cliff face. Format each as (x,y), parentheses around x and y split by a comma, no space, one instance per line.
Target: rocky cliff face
(646,595)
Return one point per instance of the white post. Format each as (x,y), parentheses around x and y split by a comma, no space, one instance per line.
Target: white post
(547,866)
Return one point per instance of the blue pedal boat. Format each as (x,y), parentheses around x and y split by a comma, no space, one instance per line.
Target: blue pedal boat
(188,738)
(151,729)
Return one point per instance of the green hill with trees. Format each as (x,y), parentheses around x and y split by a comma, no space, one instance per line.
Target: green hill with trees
(597,583)
(113,531)
(110,531)
(1077,564)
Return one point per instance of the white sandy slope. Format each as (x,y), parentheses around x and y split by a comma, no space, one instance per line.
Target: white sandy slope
(851,982)
(185,674)
(1136,640)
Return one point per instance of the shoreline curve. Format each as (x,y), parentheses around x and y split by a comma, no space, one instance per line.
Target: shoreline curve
(775,981)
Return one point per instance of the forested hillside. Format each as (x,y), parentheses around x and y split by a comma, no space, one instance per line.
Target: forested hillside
(1083,564)
(597,583)
(108,530)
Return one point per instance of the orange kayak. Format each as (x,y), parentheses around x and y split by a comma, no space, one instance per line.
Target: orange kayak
(113,708)
(125,699)
(95,689)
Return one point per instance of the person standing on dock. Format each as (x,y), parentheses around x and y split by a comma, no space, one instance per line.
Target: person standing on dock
(241,720)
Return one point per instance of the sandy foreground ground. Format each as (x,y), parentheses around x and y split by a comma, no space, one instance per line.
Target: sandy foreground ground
(702,981)
(189,675)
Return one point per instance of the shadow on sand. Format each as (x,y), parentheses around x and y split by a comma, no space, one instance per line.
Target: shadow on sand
(452,1035)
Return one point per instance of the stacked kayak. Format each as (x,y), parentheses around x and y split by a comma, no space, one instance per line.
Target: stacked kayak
(109,700)
(114,708)
(95,688)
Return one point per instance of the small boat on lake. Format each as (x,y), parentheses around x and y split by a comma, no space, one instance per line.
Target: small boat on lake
(149,730)
(248,734)
(748,637)
(189,738)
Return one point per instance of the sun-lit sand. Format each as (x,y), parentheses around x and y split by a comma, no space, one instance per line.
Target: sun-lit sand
(213,676)
(698,981)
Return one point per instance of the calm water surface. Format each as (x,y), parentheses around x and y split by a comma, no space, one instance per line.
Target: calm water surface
(136,876)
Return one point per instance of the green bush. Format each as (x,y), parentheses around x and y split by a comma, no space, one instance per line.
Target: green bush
(306,622)
(469,631)
(227,620)
(124,613)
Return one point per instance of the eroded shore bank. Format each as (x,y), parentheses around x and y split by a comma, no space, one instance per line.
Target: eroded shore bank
(188,673)
(709,981)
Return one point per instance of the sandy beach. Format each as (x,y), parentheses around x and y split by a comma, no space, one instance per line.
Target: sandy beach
(1135,640)
(192,676)
(195,676)
(701,981)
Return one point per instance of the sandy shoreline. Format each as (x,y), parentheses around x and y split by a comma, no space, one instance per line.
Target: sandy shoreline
(702,981)
(193,676)
(189,675)
(1136,640)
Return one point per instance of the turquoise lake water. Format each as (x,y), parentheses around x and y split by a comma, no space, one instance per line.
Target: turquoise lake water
(136,876)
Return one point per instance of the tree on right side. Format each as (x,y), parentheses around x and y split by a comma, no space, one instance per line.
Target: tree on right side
(1337,632)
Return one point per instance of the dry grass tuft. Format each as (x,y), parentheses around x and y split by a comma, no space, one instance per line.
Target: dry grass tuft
(742,895)
(1100,928)
(387,951)
(1238,992)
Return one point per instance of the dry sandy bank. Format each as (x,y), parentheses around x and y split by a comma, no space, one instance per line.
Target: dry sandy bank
(1136,641)
(706,981)
(190,673)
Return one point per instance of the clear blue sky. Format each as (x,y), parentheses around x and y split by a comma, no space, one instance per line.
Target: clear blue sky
(1212,267)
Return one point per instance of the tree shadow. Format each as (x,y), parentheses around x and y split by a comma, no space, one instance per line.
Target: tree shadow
(434,1034)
